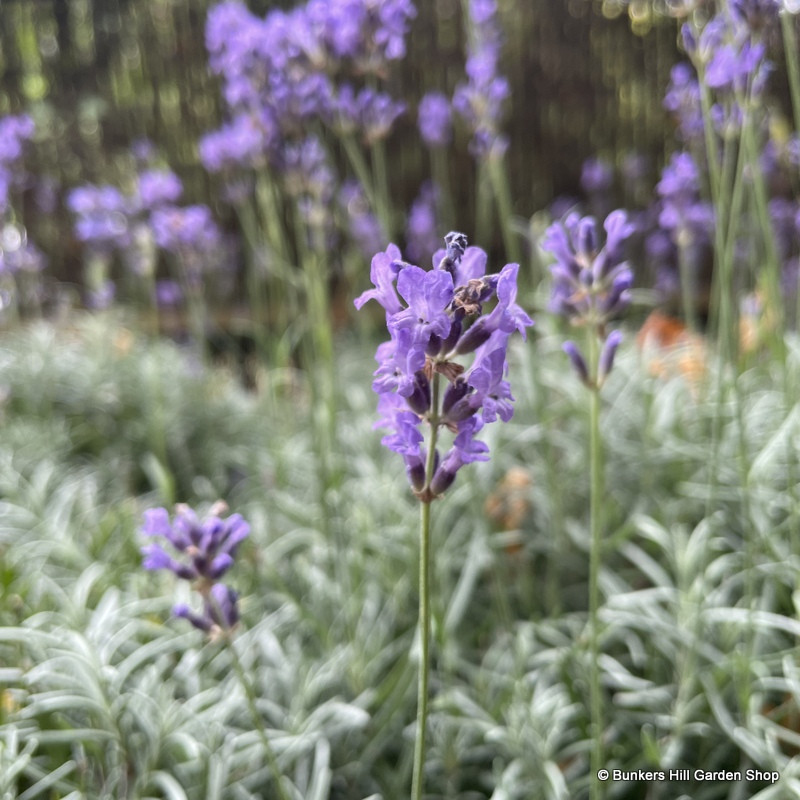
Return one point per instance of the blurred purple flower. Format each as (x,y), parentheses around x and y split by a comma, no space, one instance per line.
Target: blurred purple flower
(205,549)
(201,551)
(184,229)
(243,142)
(591,283)
(168,293)
(479,102)
(422,226)
(683,214)
(220,611)
(735,68)
(365,228)
(683,100)
(434,119)
(102,215)
(158,188)
(14,132)
(597,176)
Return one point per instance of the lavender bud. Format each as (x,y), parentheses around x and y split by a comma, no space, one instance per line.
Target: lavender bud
(416,475)
(455,331)
(419,401)
(455,392)
(434,345)
(222,606)
(578,362)
(475,336)
(619,295)
(587,237)
(607,355)
(456,244)
(689,39)
(442,480)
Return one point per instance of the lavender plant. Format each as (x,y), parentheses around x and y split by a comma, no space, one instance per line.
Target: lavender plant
(591,286)
(136,227)
(21,262)
(480,103)
(207,549)
(434,317)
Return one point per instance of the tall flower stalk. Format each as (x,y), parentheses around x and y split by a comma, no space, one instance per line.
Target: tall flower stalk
(591,286)
(479,102)
(435,318)
(202,551)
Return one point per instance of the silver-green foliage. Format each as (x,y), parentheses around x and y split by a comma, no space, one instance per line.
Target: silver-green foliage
(102,695)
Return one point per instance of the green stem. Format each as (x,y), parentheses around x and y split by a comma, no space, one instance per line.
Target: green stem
(774,299)
(596,523)
(258,723)
(502,197)
(688,287)
(724,291)
(792,65)
(196,307)
(359,165)
(381,173)
(483,205)
(256,290)
(424,601)
(441,177)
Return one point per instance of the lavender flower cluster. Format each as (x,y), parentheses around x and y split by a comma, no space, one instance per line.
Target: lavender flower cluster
(17,253)
(15,132)
(205,550)
(283,70)
(134,225)
(434,317)
(290,71)
(729,61)
(591,284)
(480,101)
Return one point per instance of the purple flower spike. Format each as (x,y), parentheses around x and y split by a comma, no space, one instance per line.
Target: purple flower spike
(480,101)
(591,284)
(435,120)
(422,234)
(443,319)
(206,548)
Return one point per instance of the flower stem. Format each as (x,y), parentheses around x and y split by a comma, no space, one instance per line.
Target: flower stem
(424,602)
(792,66)
(595,522)
(502,197)
(258,723)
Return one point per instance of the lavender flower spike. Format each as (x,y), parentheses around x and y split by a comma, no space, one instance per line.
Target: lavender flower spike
(591,284)
(434,318)
(205,549)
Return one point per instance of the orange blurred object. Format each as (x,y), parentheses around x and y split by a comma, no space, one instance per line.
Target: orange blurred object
(670,349)
(510,502)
